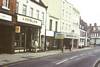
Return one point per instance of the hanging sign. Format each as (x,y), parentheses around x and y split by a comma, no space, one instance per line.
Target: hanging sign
(17,29)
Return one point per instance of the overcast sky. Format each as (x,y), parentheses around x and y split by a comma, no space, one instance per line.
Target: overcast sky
(89,10)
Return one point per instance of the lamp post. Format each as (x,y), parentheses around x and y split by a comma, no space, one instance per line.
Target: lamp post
(45,46)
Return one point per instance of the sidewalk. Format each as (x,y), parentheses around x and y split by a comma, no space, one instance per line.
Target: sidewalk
(10,58)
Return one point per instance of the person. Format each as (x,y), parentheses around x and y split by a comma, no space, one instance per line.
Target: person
(70,46)
(36,45)
(47,43)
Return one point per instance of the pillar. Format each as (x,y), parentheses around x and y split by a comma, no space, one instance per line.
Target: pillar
(72,42)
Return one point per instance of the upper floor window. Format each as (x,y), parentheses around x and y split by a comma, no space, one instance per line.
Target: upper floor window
(50,27)
(6,4)
(17,6)
(31,12)
(56,26)
(37,14)
(38,0)
(24,9)
(43,17)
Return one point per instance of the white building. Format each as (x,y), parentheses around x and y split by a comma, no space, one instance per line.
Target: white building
(67,17)
(53,21)
(31,18)
(70,21)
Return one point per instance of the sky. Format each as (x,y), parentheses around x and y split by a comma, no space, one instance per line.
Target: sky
(89,10)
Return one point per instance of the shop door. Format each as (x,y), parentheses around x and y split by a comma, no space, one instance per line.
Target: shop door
(23,41)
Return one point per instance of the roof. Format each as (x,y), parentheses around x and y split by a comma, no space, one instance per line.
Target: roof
(40,3)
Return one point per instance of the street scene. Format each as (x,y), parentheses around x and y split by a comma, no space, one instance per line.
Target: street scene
(49,33)
(78,58)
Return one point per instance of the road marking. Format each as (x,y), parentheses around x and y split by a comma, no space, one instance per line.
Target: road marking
(77,57)
(73,57)
(62,61)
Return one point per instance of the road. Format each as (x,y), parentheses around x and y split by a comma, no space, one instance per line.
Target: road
(85,58)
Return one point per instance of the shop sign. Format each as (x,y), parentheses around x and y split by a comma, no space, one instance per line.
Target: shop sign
(17,29)
(59,36)
(28,20)
(5,17)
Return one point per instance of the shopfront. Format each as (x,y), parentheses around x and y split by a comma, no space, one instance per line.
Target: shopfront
(27,32)
(71,40)
(50,40)
(6,33)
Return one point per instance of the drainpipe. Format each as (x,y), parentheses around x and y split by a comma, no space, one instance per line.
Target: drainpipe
(45,46)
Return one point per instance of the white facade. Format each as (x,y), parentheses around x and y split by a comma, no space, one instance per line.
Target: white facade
(52,14)
(70,19)
(35,14)
(39,12)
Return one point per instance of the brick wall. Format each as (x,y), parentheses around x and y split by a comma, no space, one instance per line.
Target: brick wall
(12,7)
(0,4)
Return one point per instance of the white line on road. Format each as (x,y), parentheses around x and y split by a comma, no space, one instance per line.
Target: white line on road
(73,57)
(77,57)
(62,61)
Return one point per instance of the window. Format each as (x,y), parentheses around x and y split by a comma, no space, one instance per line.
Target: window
(31,12)
(50,27)
(63,12)
(42,17)
(24,9)
(56,26)
(17,6)
(6,3)
(37,14)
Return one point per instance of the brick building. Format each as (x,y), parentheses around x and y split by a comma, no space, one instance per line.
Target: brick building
(19,26)
(7,17)
(94,34)
(83,33)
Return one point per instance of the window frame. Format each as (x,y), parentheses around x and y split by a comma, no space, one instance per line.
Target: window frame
(24,11)
(5,4)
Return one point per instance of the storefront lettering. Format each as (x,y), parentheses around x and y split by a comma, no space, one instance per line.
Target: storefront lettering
(5,17)
(29,20)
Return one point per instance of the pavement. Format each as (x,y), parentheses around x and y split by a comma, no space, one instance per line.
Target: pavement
(11,58)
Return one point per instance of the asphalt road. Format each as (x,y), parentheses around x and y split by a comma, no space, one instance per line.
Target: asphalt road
(85,58)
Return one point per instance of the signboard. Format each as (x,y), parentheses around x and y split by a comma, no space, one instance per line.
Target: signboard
(59,36)
(5,17)
(17,29)
(28,20)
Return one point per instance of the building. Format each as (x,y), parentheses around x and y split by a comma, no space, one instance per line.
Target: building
(83,34)
(53,22)
(21,24)
(67,18)
(70,18)
(94,34)
(30,23)
(7,16)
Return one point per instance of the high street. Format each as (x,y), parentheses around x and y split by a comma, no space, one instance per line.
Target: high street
(85,58)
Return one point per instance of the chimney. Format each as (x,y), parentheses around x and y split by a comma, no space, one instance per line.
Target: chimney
(90,25)
(95,24)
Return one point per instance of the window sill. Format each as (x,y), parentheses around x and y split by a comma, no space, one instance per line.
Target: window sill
(5,8)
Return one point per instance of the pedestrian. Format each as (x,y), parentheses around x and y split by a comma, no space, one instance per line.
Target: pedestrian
(36,45)
(70,47)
